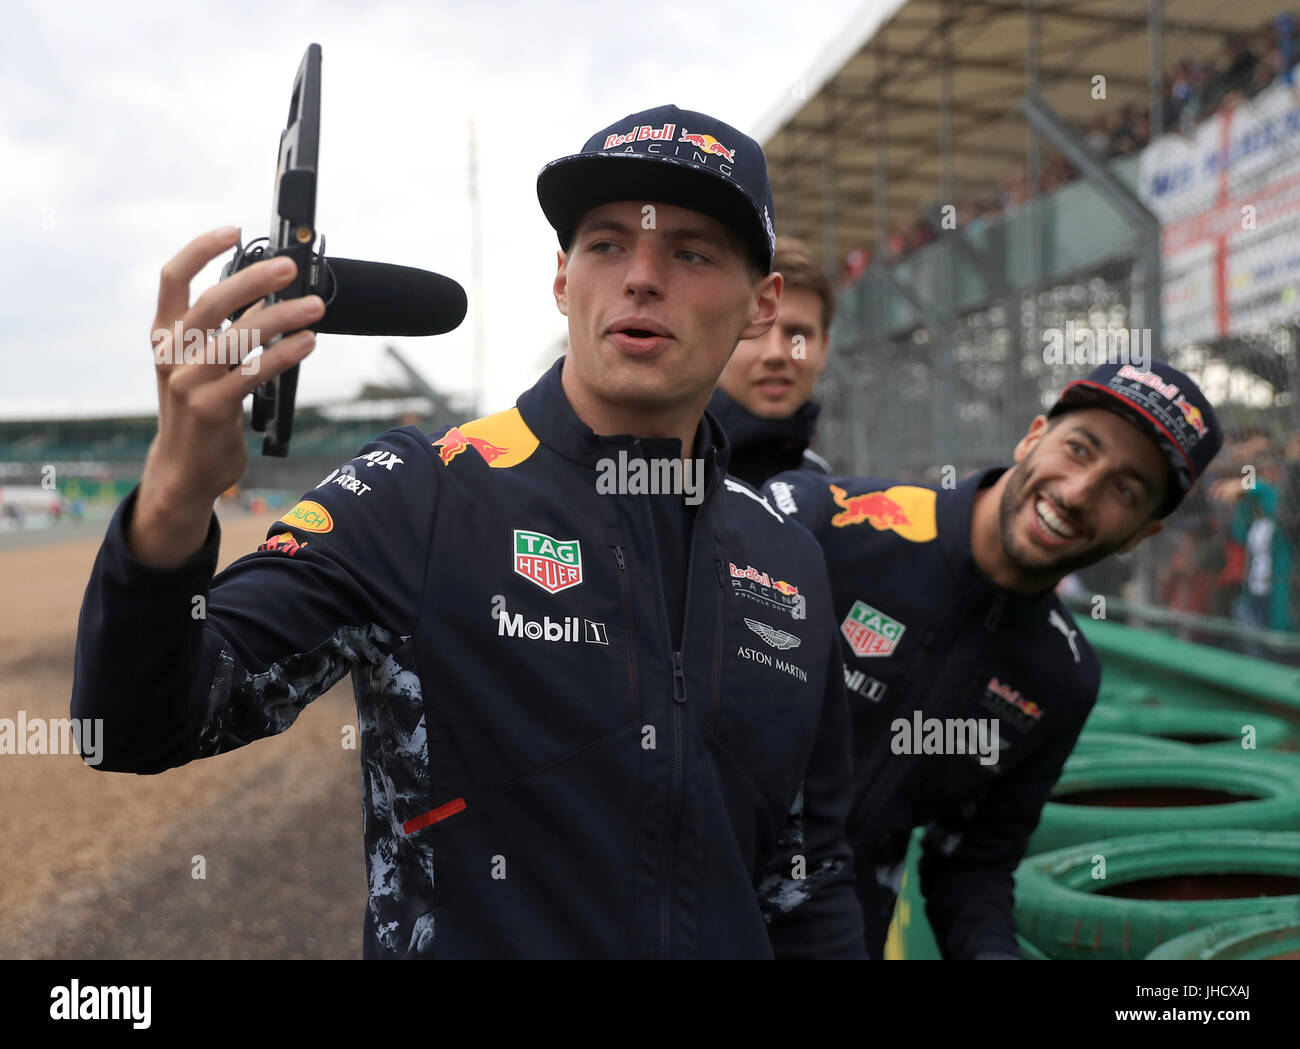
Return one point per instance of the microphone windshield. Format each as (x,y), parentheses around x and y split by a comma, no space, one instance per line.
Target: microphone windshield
(376,298)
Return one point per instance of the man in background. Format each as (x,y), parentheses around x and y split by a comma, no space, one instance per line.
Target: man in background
(763,399)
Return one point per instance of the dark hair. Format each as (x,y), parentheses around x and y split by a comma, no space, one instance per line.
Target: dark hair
(796,264)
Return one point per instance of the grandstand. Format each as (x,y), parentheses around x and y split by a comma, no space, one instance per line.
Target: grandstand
(101,459)
(1004,191)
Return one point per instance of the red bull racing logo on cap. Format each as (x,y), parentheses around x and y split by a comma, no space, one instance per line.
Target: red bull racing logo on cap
(905,509)
(643,133)
(708,144)
(1192,414)
(870,632)
(553,564)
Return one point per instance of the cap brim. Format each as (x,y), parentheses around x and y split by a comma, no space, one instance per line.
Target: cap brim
(569,187)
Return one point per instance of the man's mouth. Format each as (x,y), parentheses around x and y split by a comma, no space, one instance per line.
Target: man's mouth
(1051,524)
(773,386)
(639,335)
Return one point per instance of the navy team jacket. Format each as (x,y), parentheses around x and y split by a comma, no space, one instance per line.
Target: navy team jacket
(926,635)
(543,774)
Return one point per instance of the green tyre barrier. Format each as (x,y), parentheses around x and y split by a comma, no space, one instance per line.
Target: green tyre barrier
(1210,730)
(1274,936)
(1028,952)
(1122,897)
(1093,744)
(1104,797)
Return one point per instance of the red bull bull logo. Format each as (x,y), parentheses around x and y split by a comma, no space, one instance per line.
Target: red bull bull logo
(876,508)
(708,144)
(1011,697)
(1192,414)
(455,441)
(789,589)
(284,543)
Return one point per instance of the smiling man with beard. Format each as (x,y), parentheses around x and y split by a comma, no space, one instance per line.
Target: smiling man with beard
(948,618)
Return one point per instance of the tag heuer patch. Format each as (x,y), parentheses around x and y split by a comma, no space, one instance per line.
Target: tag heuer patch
(553,564)
(870,632)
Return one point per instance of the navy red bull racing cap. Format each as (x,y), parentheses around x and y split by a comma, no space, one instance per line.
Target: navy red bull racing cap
(671,156)
(1164,404)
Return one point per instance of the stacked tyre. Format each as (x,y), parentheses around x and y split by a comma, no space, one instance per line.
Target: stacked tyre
(1124,897)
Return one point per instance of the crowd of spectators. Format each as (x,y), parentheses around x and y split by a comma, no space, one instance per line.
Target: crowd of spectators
(1195,90)
(1234,548)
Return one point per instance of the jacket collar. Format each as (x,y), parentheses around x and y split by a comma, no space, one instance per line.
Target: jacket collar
(546,411)
(953,512)
(751,435)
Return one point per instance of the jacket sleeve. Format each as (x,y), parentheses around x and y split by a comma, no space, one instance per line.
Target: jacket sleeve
(803,495)
(181,665)
(969,857)
(806,892)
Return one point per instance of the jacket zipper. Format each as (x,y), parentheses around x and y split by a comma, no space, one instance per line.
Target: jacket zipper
(679,701)
(631,634)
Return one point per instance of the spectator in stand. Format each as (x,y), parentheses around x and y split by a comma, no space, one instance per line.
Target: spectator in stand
(1265,600)
(1239,67)
(1180,92)
(1288,515)
(1123,136)
(1201,101)
(1142,129)
(1098,137)
(1285,36)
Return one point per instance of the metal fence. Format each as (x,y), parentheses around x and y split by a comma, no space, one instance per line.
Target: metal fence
(962,390)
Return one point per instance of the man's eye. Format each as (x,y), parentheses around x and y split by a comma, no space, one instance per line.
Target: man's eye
(1075,447)
(598,245)
(695,256)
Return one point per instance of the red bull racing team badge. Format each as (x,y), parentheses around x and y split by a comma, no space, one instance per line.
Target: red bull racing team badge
(553,564)
(761,587)
(902,508)
(455,441)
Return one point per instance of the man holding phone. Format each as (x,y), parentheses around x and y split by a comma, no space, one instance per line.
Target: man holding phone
(587,716)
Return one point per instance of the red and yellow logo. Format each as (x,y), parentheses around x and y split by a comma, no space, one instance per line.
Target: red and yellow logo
(902,508)
(502,440)
(284,543)
(310,517)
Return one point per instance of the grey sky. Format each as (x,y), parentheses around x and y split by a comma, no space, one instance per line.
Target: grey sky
(128,129)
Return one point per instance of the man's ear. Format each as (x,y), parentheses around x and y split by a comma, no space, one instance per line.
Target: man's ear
(1145,532)
(1035,434)
(767,298)
(561,285)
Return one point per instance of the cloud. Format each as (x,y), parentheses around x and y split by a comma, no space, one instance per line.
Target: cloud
(145,124)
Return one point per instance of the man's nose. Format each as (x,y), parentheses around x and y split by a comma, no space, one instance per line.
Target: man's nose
(645,269)
(1080,487)
(774,347)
